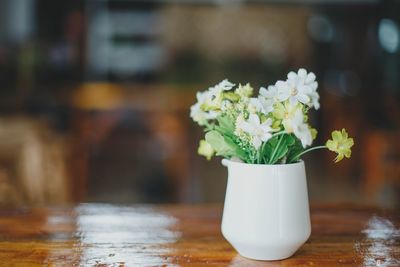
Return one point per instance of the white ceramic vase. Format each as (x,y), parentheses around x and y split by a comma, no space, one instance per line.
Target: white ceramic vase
(266,212)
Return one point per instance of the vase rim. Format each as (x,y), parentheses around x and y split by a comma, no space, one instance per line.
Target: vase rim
(260,165)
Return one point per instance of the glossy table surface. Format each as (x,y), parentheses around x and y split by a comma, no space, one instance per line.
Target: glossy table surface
(112,235)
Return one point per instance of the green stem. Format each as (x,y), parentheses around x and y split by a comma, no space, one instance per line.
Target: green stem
(275,150)
(306,151)
(264,144)
(260,152)
(278,133)
(253,157)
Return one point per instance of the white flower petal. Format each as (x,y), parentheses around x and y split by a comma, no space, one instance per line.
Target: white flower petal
(263,91)
(305,89)
(302,73)
(246,127)
(225,85)
(314,85)
(292,75)
(303,98)
(304,134)
(293,100)
(267,122)
(267,104)
(256,143)
(281,85)
(310,77)
(266,136)
(315,100)
(212,115)
(255,105)
(254,119)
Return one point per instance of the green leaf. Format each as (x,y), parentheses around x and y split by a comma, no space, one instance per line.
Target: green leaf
(225,126)
(267,149)
(216,140)
(239,152)
(289,139)
(280,153)
(224,146)
(277,148)
(295,149)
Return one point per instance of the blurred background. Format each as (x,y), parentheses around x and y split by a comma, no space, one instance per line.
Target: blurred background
(95,94)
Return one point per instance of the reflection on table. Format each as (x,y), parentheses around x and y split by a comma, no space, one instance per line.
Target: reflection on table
(178,235)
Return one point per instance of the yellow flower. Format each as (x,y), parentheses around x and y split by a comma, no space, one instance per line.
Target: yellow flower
(314,133)
(205,149)
(286,112)
(341,144)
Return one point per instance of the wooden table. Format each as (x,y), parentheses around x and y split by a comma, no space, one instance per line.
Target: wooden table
(110,235)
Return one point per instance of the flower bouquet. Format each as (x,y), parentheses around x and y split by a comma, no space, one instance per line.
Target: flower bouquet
(262,139)
(270,128)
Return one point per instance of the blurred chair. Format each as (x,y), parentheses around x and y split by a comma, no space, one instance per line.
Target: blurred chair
(32,163)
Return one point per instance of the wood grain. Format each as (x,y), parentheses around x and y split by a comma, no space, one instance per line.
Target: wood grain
(112,235)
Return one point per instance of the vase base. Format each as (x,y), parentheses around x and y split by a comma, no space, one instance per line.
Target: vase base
(266,254)
(265,258)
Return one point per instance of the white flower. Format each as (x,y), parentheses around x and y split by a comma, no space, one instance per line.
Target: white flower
(301,129)
(267,104)
(276,92)
(226,105)
(225,85)
(299,87)
(259,132)
(271,92)
(197,113)
(293,120)
(214,95)
(271,95)
(200,116)
(255,105)
(314,100)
